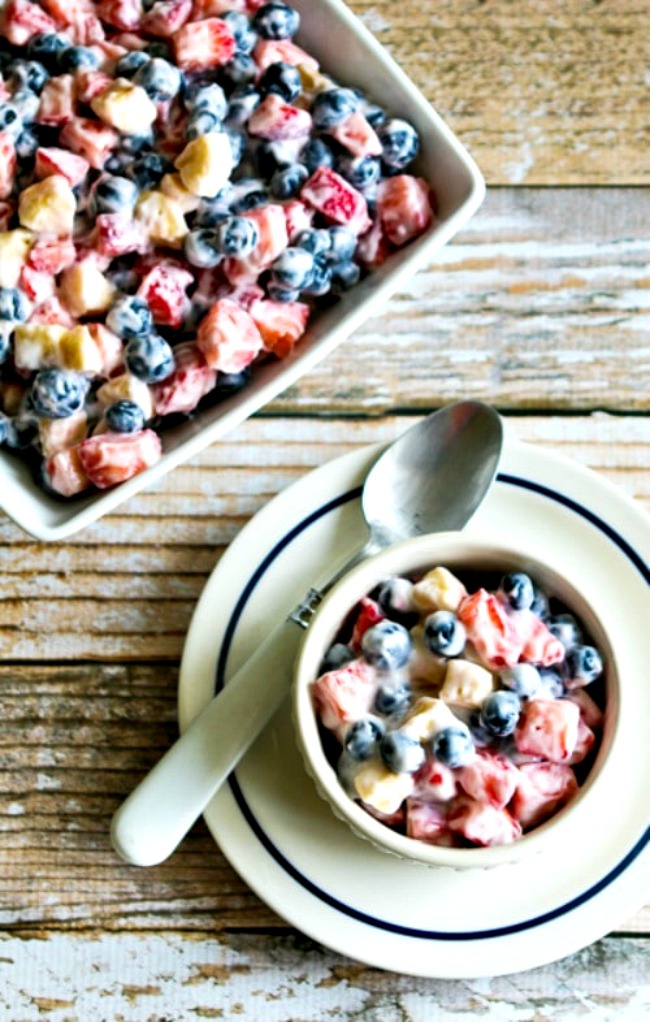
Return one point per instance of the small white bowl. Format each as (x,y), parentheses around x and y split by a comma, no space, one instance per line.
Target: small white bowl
(351,55)
(454,550)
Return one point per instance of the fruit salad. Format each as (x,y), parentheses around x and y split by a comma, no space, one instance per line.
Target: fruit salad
(455,706)
(181,187)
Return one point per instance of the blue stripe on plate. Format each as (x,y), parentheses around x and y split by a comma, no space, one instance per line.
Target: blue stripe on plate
(274,851)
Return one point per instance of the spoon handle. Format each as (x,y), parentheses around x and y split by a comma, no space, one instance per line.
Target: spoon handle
(158,813)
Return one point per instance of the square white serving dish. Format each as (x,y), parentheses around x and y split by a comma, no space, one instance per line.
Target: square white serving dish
(352,56)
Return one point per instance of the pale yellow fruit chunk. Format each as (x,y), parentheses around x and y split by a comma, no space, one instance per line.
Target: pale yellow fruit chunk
(78,351)
(438,590)
(172,186)
(58,434)
(126,388)
(162,218)
(37,345)
(14,250)
(84,289)
(382,789)
(466,683)
(125,106)
(48,207)
(426,718)
(206,163)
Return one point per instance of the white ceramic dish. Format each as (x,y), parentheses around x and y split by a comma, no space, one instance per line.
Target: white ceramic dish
(307,865)
(455,550)
(351,54)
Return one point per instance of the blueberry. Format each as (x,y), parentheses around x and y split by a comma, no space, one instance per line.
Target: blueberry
(444,634)
(241,105)
(201,248)
(320,280)
(454,746)
(276,21)
(131,62)
(337,656)
(240,70)
(26,145)
(292,268)
(76,57)
(129,317)
(374,114)
(277,293)
(14,306)
(315,240)
(551,683)
(394,596)
(363,737)
(345,276)
(231,383)
(386,645)
(5,343)
(114,194)
(524,679)
(286,183)
(361,171)
(332,106)
(343,244)
(518,589)
(584,664)
(238,236)
(206,96)
(237,140)
(149,168)
(251,196)
(4,428)
(118,162)
(159,79)
(271,156)
(400,753)
(46,48)
(282,79)
(500,713)
(150,358)
(391,698)
(565,628)
(58,393)
(317,153)
(540,605)
(124,417)
(239,24)
(28,74)
(158,50)
(10,119)
(400,143)
(27,104)
(213,211)
(201,122)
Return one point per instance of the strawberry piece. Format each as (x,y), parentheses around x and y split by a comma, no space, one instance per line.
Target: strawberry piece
(111,458)
(542,789)
(437,781)
(344,694)
(204,45)
(38,286)
(281,324)
(8,164)
(51,255)
(548,728)
(425,821)
(228,337)
(89,83)
(274,51)
(22,20)
(65,474)
(209,8)
(584,744)
(164,289)
(541,646)
(52,160)
(110,347)
(166,17)
(83,27)
(52,312)
(404,207)
(272,240)
(490,778)
(369,614)
(277,121)
(116,235)
(335,198)
(191,380)
(356,135)
(374,247)
(490,628)
(298,218)
(90,139)
(123,14)
(56,106)
(483,824)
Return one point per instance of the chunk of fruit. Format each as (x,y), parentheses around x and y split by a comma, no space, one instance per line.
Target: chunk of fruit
(112,458)
(334,198)
(52,160)
(281,324)
(548,728)
(542,789)
(191,380)
(125,106)
(404,207)
(48,206)
(204,45)
(228,337)
(164,290)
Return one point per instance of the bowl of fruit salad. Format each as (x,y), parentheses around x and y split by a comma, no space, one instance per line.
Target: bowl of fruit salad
(455,701)
(198,201)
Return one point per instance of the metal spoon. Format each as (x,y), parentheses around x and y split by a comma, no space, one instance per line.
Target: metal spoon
(431,479)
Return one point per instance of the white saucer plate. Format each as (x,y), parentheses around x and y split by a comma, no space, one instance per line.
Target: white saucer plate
(304,863)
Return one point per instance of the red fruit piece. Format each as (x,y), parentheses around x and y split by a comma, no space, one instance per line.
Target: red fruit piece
(8,164)
(356,135)
(90,139)
(490,628)
(542,789)
(281,324)
(273,51)
(56,106)
(88,83)
(271,227)
(116,235)
(38,286)
(111,458)
(166,17)
(425,821)
(203,45)
(344,694)
(548,728)
(51,255)
(298,218)
(278,121)
(123,14)
(369,614)
(21,20)
(404,207)
(228,337)
(374,247)
(52,160)
(483,824)
(335,198)
(490,778)
(191,380)
(65,473)
(164,289)
(541,646)
(52,312)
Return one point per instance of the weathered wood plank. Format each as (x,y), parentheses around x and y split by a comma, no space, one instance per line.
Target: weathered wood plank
(549,93)
(288,978)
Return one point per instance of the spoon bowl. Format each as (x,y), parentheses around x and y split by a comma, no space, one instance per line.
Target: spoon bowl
(432,477)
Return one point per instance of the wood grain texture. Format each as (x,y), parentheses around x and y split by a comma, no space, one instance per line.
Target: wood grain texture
(287,978)
(540,93)
(542,301)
